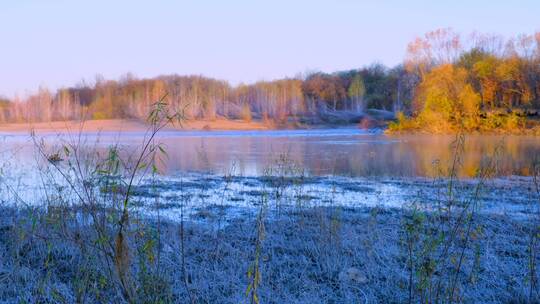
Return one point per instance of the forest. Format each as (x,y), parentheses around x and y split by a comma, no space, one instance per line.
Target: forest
(482,82)
(200,97)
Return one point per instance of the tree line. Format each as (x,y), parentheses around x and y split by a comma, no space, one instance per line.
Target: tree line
(445,82)
(201,97)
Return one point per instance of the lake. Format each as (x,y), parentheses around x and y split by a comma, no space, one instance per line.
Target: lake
(320,152)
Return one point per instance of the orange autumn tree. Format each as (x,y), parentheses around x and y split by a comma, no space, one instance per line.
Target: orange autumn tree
(445,101)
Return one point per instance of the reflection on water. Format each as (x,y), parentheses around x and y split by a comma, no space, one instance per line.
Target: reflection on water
(347,152)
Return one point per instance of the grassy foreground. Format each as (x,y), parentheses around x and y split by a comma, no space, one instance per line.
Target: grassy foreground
(315,255)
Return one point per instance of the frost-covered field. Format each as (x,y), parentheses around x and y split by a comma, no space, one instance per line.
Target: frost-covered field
(513,196)
(205,238)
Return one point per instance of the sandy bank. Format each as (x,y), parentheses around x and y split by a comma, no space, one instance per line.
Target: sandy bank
(130,125)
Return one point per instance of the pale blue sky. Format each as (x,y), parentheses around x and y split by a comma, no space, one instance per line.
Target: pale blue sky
(59,42)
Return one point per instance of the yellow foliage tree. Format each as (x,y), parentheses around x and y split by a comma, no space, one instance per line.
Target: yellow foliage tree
(446,100)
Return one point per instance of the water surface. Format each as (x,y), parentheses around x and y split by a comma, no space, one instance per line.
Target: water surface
(342,152)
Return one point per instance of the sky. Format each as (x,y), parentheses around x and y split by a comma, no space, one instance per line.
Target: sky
(58,43)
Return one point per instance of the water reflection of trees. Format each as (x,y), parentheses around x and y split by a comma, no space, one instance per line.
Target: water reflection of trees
(366,155)
(358,155)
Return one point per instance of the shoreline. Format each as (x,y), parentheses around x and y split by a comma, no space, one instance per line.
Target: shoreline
(134,125)
(520,132)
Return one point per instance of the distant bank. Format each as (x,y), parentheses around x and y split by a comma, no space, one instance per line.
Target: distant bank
(133,125)
(371,119)
(128,125)
(368,120)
